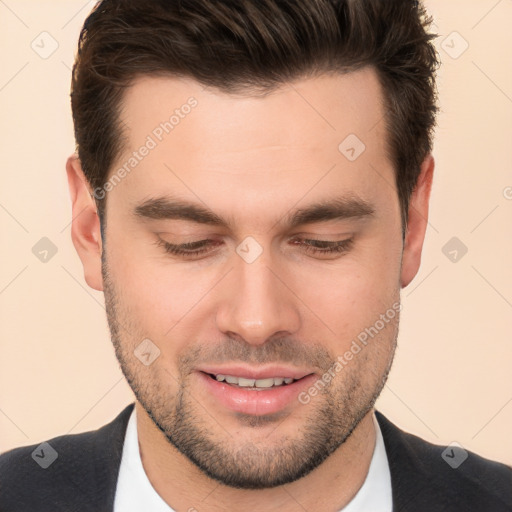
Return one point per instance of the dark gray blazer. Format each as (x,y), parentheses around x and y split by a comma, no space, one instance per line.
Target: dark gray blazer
(83,478)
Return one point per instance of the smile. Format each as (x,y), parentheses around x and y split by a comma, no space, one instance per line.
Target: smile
(251,391)
(254,384)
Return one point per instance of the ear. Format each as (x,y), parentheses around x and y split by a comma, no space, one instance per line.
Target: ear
(417,222)
(85,227)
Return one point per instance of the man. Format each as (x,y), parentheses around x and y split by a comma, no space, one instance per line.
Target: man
(251,193)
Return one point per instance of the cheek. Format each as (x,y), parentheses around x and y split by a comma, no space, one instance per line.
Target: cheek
(143,290)
(352,294)
(159,299)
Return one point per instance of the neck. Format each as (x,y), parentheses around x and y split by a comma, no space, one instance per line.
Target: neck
(184,487)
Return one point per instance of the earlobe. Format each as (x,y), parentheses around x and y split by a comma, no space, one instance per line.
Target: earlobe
(85,227)
(417,222)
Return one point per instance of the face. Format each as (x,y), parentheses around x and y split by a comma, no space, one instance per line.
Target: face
(249,246)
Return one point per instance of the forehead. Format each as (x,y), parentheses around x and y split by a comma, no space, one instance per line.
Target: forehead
(332,105)
(202,141)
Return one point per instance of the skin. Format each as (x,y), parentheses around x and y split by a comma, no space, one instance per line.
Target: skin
(253,160)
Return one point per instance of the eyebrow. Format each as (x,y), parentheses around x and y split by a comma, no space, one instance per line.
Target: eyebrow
(166,208)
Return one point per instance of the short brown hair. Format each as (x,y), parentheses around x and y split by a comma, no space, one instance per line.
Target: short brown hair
(253,46)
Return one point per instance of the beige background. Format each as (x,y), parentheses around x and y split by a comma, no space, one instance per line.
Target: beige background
(452,376)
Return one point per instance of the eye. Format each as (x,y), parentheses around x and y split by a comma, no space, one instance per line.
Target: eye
(200,247)
(324,246)
(188,249)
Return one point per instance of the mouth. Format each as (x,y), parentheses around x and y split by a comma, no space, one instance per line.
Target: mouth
(253,391)
(253,384)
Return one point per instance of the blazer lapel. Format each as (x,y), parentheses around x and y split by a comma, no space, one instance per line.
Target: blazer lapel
(93,480)
(408,477)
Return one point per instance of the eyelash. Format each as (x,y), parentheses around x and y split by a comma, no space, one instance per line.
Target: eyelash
(189,249)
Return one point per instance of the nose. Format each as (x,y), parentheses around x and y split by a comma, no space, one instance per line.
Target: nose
(256,304)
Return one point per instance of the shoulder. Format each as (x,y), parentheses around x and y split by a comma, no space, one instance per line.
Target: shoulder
(64,472)
(449,478)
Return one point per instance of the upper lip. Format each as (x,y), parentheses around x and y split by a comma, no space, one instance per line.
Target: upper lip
(256,373)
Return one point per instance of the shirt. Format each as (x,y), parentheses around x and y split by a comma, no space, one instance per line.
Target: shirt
(134,491)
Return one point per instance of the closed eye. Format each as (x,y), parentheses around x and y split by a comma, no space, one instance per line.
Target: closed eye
(310,246)
(324,246)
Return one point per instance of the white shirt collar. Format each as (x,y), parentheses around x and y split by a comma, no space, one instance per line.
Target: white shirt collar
(375,493)
(134,491)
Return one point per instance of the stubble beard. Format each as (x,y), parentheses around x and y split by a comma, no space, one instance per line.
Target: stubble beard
(334,413)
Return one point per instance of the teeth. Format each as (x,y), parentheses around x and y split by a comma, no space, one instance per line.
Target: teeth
(246,383)
(265,383)
(251,383)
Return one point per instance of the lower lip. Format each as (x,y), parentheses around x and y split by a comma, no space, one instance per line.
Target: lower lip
(255,402)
